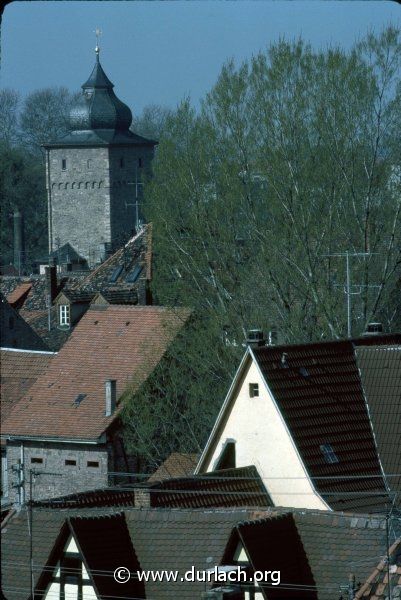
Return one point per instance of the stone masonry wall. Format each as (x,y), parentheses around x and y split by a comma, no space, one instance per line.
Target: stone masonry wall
(80,200)
(63,478)
(93,199)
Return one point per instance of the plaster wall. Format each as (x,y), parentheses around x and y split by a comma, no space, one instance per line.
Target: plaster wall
(263,440)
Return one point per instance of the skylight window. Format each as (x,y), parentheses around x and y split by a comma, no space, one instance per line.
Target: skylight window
(116,274)
(133,276)
(79,399)
(330,457)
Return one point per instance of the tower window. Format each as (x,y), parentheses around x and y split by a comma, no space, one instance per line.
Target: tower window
(63,164)
(93,463)
(64,314)
(140,163)
(89,163)
(121,163)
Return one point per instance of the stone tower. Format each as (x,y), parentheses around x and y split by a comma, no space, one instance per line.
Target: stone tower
(94,173)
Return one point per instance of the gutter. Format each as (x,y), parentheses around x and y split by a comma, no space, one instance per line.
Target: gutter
(32,438)
(28,351)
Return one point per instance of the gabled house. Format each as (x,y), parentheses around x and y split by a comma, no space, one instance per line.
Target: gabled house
(310,418)
(68,424)
(19,371)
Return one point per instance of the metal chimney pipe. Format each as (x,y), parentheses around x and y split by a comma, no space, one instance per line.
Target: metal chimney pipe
(18,241)
(110,396)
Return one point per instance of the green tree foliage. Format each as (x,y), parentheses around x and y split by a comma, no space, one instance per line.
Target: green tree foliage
(22,185)
(42,117)
(294,157)
(152,122)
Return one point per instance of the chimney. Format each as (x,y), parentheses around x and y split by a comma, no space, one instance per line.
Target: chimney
(255,338)
(19,250)
(273,336)
(51,280)
(111,394)
(142,497)
(373,329)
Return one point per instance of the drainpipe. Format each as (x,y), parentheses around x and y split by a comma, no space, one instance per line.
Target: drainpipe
(49,201)
(21,476)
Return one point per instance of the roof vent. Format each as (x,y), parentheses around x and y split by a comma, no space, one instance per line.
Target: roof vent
(255,338)
(284,361)
(374,329)
(111,396)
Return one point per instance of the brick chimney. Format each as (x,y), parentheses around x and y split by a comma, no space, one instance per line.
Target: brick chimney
(142,497)
(51,281)
(110,396)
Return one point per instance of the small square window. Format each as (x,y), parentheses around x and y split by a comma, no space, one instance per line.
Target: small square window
(36,461)
(330,457)
(63,164)
(92,463)
(253,390)
(70,462)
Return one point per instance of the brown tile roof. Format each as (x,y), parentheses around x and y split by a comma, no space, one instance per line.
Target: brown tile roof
(19,371)
(377,584)
(116,342)
(318,390)
(330,545)
(229,487)
(136,253)
(176,465)
(315,551)
(380,368)
(120,552)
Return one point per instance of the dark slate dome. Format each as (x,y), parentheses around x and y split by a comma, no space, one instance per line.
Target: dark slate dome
(99,107)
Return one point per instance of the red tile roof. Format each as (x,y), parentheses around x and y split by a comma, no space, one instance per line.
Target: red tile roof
(18,295)
(176,465)
(123,343)
(19,371)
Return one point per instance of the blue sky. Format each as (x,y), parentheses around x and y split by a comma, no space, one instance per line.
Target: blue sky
(158,52)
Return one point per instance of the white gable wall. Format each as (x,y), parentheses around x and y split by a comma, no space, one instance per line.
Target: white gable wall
(262,439)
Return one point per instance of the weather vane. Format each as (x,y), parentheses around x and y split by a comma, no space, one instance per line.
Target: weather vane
(98,33)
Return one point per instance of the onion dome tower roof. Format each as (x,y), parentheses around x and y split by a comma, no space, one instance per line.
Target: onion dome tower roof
(100,118)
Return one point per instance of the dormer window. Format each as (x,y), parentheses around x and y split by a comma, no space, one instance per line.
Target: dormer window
(330,457)
(63,164)
(64,315)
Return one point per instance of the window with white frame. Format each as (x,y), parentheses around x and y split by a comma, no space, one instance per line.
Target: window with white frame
(64,314)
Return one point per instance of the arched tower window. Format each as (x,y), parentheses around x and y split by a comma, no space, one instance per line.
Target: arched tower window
(63,164)
(89,163)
